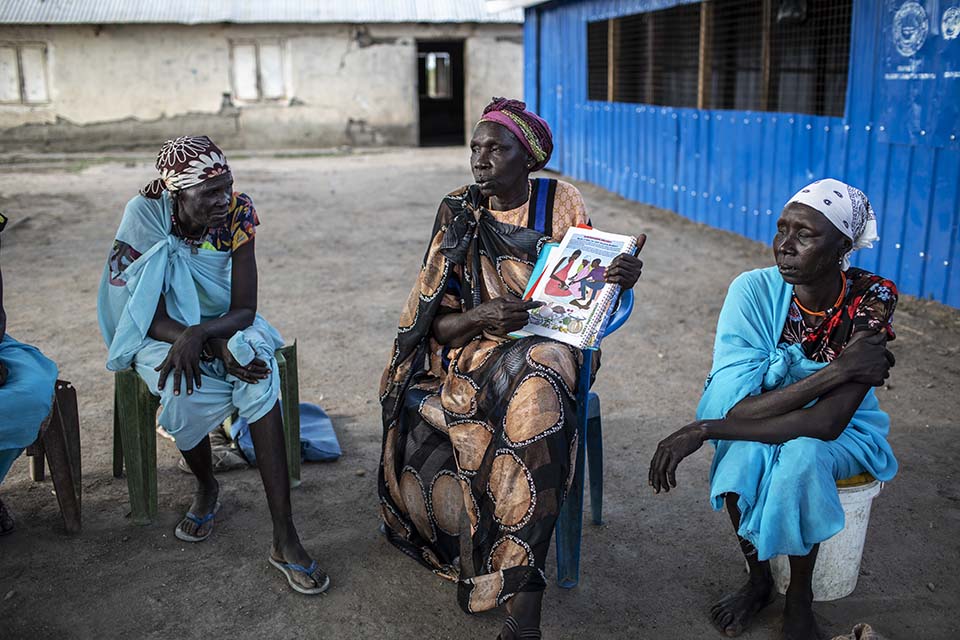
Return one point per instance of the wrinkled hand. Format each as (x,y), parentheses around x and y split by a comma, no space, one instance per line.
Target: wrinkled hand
(500,316)
(866,359)
(253,373)
(670,451)
(3,374)
(625,269)
(183,360)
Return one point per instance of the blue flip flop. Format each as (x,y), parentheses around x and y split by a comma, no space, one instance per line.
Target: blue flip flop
(313,572)
(194,518)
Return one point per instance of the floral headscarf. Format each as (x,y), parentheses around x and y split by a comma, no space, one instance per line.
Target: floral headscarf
(184,163)
(846,207)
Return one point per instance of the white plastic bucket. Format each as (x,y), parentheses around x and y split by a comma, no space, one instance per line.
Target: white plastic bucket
(838,561)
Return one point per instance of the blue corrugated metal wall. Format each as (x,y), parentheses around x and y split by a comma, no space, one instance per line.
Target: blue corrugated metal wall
(734,170)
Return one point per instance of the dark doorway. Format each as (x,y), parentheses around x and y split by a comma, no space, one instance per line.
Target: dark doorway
(440,87)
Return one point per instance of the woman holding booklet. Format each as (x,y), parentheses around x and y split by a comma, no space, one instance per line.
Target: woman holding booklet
(479,429)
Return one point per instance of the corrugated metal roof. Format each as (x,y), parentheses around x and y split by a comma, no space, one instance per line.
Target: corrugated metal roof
(503,5)
(249,11)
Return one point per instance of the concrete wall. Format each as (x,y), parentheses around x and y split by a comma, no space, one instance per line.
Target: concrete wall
(490,63)
(129,85)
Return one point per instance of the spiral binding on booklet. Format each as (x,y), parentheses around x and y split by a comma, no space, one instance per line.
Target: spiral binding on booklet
(597,327)
(569,279)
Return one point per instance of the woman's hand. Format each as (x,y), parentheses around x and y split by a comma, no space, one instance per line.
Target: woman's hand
(866,359)
(670,451)
(252,373)
(625,269)
(183,360)
(501,316)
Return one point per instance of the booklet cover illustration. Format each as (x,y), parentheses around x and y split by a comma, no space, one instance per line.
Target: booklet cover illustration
(569,280)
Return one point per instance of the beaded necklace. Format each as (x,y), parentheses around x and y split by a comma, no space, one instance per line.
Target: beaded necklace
(823,314)
(193,243)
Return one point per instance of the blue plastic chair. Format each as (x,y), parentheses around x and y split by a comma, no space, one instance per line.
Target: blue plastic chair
(570,520)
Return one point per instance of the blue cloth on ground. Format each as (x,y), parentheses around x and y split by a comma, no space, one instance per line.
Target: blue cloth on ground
(27,396)
(196,288)
(318,440)
(788,496)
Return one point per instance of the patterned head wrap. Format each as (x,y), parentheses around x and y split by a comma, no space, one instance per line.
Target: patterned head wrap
(184,163)
(532,130)
(846,207)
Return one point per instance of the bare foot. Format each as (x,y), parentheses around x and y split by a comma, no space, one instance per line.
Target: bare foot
(204,502)
(798,620)
(733,613)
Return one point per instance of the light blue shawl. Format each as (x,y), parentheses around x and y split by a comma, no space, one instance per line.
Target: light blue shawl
(27,396)
(747,360)
(196,287)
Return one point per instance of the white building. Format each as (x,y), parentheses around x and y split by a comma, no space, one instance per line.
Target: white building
(89,74)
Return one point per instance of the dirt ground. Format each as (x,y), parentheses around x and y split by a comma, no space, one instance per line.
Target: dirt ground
(338,249)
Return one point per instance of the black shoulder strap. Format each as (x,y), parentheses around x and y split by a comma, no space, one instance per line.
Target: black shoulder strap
(540,211)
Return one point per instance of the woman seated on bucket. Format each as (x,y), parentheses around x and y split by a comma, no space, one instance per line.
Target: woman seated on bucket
(479,430)
(178,302)
(789,400)
(27,383)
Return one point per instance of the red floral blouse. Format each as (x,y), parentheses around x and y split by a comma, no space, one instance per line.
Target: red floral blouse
(867,305)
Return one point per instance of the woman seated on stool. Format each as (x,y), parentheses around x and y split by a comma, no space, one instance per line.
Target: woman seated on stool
(479,430)
(27,383)
(178,301)
(789,399)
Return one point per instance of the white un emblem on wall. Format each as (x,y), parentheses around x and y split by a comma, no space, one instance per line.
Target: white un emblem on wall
(910,27)
(950,25)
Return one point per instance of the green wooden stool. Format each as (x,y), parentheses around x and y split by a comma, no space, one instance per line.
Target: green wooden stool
(135,438)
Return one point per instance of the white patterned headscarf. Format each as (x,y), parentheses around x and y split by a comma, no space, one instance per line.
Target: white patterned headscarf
(186,162)
(846,207)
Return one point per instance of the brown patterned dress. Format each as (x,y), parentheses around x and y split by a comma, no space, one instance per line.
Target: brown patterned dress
(478,441)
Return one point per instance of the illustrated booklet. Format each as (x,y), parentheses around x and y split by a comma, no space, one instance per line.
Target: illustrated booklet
(569,280)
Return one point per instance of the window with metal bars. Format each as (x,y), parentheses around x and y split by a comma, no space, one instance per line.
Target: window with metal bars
(811,53)
(760,55)
(597,60)
(657,57)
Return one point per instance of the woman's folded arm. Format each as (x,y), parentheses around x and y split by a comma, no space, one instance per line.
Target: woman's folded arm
(865,360)
(778,402)
(825,420)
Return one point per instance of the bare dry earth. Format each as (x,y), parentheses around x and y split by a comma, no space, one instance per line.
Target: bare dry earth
(338,248)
